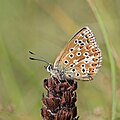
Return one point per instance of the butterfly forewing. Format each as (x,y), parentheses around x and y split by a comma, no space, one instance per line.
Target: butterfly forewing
(81,57)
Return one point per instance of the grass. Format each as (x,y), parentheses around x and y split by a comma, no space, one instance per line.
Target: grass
(101,23)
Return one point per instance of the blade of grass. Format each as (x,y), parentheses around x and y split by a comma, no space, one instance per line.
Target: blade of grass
(8,77)
(111,59)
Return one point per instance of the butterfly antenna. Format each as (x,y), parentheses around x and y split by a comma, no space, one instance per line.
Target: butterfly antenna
(31,53)
(35,54)
(41,58)
(31,58)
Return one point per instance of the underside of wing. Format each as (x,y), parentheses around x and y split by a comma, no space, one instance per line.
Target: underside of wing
(81,57)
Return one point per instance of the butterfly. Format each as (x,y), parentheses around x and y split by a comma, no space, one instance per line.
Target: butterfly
(80,59)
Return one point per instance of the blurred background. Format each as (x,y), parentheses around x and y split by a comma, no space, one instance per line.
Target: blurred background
(44,27)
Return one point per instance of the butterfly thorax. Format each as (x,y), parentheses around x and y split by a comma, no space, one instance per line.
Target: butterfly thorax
(55,72)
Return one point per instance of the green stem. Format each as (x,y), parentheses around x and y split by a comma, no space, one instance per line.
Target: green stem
(109,50)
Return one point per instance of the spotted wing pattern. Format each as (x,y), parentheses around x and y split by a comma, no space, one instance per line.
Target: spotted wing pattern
(81,58)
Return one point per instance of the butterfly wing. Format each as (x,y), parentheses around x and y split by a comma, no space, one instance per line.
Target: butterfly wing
(81,57)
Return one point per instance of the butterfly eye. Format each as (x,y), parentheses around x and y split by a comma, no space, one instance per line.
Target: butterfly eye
(66,61)
(78,53)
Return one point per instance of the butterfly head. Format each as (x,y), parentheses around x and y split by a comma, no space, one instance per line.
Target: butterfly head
(49,68)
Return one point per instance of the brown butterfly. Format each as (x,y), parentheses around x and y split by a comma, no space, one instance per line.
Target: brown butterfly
(79,60)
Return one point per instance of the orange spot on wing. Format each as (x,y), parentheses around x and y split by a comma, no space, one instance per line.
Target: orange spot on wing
(91,71)
(95,59)
(88,47)
(94,65)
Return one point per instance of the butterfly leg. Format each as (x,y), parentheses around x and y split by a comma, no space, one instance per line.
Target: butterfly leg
(67,82)
(58,79)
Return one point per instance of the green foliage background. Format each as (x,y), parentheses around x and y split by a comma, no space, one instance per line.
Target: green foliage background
(44,27)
